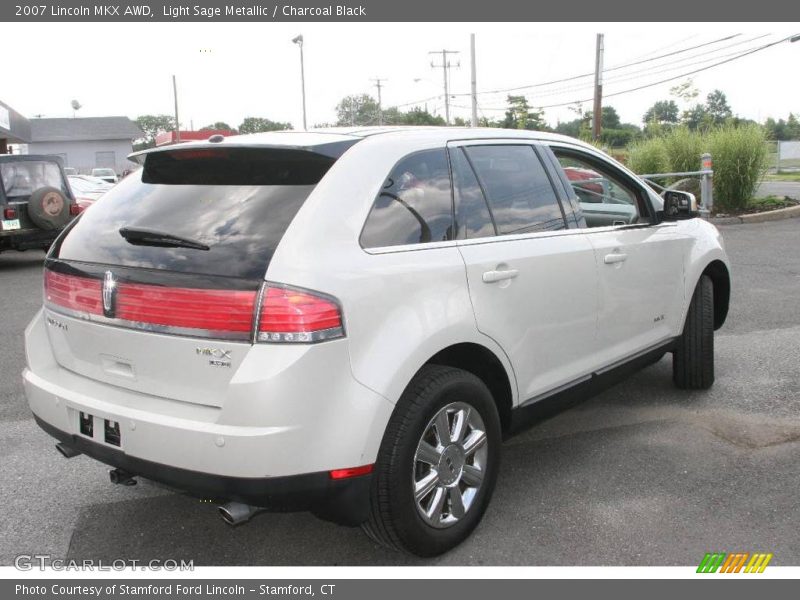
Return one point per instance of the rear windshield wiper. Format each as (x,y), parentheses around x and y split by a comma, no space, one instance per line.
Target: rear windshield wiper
(152,237)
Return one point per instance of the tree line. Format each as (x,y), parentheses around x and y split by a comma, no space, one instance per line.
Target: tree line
(681,109)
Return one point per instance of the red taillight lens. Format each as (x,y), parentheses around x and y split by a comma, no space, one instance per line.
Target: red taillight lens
(212,311)
(9,212)
(351,472)
(289,315)
(75,293)
(75,209)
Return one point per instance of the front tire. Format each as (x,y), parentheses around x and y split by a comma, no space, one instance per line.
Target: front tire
(437,465)
(693,357)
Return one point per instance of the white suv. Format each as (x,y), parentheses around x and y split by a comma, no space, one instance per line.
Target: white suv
(349,321)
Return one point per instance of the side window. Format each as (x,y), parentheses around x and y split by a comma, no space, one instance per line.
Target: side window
(605,200)
(415,204)
(518,189)
(473,219)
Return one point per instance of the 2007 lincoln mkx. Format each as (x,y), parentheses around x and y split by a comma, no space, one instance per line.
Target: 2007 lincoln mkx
(349,321)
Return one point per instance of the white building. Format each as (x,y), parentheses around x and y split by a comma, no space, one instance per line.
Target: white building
(86,142)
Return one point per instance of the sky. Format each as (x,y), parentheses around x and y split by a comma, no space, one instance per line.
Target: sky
(228,71)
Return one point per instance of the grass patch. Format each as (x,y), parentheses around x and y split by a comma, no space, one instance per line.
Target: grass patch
(782,177)
(756,205)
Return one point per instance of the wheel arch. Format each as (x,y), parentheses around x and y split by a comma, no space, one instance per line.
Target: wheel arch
(720,277)
(484,364)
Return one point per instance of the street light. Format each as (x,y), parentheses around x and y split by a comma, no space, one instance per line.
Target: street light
(299,41)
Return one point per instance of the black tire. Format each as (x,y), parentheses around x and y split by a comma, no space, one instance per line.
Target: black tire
(693,357)
(48,208)
(394,519)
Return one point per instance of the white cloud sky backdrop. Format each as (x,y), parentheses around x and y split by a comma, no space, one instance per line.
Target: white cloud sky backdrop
(228,71)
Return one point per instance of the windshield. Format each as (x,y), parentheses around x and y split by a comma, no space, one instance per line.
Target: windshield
(238,203)
(21,179)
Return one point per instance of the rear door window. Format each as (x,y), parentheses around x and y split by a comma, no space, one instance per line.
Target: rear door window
(21,179)
(233,204)
(520,195)
(415,204)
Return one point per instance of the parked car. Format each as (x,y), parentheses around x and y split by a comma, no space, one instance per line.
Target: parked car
(350,321)
(35,200)
(87,189)
(108,175)
(602,201)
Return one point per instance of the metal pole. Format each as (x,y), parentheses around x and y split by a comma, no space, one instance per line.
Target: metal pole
(177,122)
(446,92)
(707,182)
(474,80)
(598,88)
(303,84)
(777,156)
(378,85)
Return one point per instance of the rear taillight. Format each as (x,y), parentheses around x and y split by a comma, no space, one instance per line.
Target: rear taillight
(285,315)
(9,212)
(210,313)
(78,294)
(291,315)
(75,209)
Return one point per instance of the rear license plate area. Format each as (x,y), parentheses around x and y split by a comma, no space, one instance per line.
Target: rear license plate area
(110,430)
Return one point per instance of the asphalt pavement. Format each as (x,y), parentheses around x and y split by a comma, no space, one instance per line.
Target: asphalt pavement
(643,474)
(791,189)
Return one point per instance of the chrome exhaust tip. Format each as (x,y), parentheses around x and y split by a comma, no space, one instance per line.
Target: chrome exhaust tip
(236,513)
(67,451)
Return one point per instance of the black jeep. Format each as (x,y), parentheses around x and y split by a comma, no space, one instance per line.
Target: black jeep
(35,201)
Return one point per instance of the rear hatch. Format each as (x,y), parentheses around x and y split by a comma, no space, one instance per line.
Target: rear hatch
(156,288)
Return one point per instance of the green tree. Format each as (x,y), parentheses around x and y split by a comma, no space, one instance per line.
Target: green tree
(717,107)
(152,125)
(259,124)
(663,112)
(361,109)
(218,125)
(520,115)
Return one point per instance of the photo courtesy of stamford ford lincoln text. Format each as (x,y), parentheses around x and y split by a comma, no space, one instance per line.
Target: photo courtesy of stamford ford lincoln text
(309,299)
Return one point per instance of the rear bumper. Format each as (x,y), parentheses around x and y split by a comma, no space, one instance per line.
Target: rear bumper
(344,501)
(27,239)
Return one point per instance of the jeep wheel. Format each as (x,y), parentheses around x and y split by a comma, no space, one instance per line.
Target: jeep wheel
(48,208)
(438,463)
(693,357)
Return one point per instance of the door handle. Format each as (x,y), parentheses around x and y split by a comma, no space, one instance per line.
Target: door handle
(493,276)
(615,257)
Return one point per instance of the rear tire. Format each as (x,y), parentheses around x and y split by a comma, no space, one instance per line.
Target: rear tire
(402,515)
(693,357)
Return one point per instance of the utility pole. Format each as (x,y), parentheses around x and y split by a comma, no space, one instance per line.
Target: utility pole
(299,41)
(474,80)
(445,67)
(378,84)
(597,117)
(177,122)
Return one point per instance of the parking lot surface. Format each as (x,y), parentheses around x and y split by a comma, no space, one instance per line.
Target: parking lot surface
(643,474)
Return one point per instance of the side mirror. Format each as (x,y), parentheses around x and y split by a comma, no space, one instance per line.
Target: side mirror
(679,205)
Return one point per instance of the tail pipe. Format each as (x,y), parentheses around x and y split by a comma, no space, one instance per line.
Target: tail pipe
(120,477)
(67,451)
(236,513)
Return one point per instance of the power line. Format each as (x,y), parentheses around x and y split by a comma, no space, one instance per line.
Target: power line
(641,87)
(445,66)
(615,68)
(635,74)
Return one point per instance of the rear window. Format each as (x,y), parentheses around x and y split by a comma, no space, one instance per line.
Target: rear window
(235,204)
(21,179)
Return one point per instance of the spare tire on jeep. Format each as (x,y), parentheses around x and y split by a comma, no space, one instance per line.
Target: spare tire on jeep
(48,208)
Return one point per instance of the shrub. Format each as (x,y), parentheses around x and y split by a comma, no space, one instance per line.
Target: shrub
(684,149)
(647,156)
(739,155)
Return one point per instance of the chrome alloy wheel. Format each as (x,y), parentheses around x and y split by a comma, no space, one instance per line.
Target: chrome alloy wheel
(449,465)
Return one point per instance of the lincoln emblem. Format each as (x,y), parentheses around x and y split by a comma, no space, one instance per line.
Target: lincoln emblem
(109,294)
